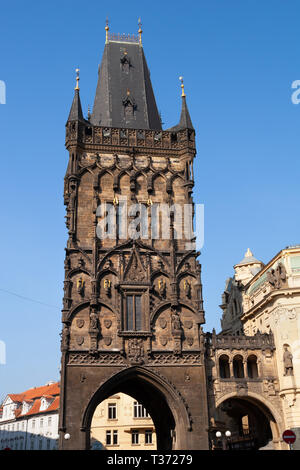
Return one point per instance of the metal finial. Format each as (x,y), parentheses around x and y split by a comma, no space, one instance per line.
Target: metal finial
(182,86)
(140,31)
(89,113)
(106,29)
(77,79)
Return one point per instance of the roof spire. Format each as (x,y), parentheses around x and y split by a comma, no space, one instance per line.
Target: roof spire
(77,79)
(185,119)
(140,31)
(76,110)
(182,86)
(106,29)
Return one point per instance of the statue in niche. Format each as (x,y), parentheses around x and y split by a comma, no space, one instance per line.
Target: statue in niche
(187,286)
(72,206)
(107,287)
(288,362)
(65,337)
(93,321)
(80,286)
(176,324)
(162,287)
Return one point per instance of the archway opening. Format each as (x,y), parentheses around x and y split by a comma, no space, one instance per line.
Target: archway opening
(147,417)
(250,422)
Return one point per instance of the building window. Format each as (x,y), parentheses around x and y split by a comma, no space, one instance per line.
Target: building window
(115,437)
(108,438)
(40,444)
(148,436)
(48,444)
(134,313)
(135,436)
(112,411)
(139,411)
(33,424)
(49,421)
(41,422)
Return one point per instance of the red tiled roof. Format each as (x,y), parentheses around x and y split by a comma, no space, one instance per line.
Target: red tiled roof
(54,405)
(37,392)
(34,395)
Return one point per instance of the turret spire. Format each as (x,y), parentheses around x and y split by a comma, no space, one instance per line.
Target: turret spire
(76,109)
(185,119)
(140,31)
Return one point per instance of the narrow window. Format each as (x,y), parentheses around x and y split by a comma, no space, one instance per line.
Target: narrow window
(134,321)
(112,411)
(135,436)
(108,438)
(148,436)
(115,437)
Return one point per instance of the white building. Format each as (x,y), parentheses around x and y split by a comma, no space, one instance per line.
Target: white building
(29,420)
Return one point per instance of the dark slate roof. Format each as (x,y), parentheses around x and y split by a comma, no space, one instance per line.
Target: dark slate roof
(124,95)
(185,118)
(76,109)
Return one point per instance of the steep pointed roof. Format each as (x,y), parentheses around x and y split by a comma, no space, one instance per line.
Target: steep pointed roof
(76,109)
(185,118)
(124,95)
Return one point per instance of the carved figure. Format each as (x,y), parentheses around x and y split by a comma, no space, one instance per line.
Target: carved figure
(288,362)
(93,321)
(65,337)
(162,287)
(80,286)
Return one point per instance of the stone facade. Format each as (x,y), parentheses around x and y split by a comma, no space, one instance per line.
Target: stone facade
(271,308)
(133,308)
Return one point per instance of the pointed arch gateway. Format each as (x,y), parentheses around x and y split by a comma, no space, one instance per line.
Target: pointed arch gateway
(161,399)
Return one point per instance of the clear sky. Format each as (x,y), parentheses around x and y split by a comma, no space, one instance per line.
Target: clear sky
(238,59)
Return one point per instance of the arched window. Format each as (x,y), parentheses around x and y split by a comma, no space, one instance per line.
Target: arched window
(238,369)
(224,367)
(252,367)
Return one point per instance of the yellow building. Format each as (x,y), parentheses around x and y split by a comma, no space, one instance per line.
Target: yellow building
(121,423)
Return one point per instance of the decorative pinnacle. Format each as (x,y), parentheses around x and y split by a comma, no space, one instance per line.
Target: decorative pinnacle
(77,79)
(182,86)
(140,30)
(106,29)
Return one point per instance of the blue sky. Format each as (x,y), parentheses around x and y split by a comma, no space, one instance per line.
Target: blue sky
(238,60)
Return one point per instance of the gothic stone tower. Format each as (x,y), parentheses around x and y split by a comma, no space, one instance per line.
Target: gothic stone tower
(132,307)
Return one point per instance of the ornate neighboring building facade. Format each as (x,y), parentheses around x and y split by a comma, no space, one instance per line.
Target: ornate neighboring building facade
(260,340)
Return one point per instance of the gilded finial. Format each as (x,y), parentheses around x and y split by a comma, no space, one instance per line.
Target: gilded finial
(106,29)
(77,79)
(182,86)
(140,31)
